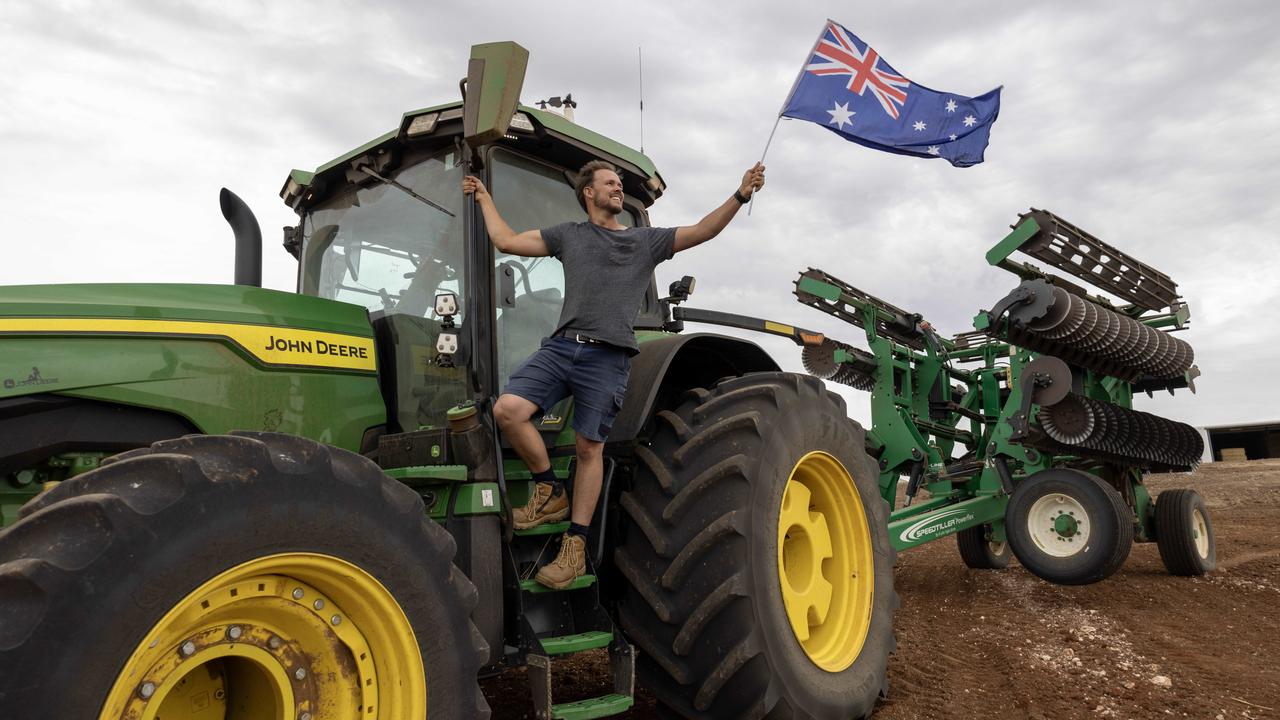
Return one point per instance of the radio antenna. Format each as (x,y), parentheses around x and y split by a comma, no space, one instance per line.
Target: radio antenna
(640,66)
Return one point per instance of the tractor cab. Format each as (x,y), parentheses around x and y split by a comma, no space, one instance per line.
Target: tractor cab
(385,227)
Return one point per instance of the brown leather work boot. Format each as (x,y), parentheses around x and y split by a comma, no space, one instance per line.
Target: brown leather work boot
(544,506)
(568,566)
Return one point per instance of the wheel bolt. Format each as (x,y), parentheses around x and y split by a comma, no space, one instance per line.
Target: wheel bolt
(188,649)
(234,632)
(300,673)
(318,604)
(336,620)
(275,642)
(297,593)
(146,690)
(304,716)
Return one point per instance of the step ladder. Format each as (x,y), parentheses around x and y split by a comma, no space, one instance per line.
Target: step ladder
(556,624)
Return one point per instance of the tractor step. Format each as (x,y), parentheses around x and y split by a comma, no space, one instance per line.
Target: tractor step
(533,586)
(622,664)
(597,707)
(546,529)
(566,644)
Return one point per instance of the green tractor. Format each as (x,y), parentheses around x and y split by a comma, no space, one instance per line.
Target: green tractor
(233,502)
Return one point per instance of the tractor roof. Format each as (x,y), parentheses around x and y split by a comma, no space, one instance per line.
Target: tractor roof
(576,146)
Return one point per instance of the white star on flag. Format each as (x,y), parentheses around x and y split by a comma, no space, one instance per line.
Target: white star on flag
(840,114)
(970,121)
(953,136)
(933,149)
(919,125)
(951,106)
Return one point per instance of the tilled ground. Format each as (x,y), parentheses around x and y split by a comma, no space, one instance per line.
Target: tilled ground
(1004,644)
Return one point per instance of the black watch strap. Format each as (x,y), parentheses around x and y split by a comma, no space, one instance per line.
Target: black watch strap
(742,199)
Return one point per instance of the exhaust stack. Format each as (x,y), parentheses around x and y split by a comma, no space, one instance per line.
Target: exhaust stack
(248,238)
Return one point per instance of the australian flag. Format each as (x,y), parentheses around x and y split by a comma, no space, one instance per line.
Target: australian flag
(849,89)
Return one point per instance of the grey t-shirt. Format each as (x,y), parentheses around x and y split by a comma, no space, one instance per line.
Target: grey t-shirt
(606,273)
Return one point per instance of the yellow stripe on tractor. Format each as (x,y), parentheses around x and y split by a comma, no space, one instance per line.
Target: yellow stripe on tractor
(270,344)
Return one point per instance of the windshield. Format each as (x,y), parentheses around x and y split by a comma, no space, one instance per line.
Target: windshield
(382,248)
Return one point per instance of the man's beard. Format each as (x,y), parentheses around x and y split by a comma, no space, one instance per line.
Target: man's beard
(603,204)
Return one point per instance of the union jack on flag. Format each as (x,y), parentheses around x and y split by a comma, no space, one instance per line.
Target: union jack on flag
(837,54)
(846,87)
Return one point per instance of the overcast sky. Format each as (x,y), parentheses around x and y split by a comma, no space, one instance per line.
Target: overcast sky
(1155,126)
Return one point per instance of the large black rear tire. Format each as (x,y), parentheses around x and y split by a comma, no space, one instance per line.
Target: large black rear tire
(707,589)
(285,571)
(1068,526)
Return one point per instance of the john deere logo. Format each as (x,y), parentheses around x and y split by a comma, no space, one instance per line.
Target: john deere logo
(935,524)
(35,378)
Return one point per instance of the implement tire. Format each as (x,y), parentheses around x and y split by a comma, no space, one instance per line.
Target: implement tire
(1068,527)
(980,553)
(1184,533)
(213,575)
(751,501)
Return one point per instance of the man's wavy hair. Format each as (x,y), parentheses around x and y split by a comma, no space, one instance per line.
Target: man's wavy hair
(586,175)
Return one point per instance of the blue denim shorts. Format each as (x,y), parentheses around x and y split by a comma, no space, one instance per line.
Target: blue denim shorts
(595,375)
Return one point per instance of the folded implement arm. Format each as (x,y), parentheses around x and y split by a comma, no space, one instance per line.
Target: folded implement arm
(1043,384)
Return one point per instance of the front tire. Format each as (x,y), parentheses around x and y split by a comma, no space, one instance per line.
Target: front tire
(255,572)
(979,552)
(1068,527)
(757,565)
(1184,534)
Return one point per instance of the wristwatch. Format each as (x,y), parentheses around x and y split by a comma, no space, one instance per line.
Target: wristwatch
(742,199)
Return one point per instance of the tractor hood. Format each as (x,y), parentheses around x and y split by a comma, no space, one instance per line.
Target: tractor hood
(224,357)
(269,328)
(221,303)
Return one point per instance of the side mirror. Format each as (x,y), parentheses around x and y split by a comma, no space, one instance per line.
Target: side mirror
(495,75)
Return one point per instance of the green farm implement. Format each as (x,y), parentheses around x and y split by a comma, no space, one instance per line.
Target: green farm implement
(1022,432)
(233,502)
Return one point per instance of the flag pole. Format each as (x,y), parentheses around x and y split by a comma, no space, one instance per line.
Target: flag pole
(787,101)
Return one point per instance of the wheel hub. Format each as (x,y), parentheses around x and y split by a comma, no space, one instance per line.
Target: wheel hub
(1058,524)
(262,641)
(825,563)
(1200,533)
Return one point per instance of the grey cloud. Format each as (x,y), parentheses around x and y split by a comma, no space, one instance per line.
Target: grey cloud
(1152,125)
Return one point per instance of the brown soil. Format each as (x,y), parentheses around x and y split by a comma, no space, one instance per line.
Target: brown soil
(1004,644)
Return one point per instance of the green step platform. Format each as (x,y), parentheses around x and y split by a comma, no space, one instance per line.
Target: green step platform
(566,644)
(599,707)
(546,529)
(533,586)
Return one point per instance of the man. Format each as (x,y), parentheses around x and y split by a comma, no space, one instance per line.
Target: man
(607,267)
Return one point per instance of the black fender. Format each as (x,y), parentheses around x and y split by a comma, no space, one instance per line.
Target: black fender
(668,366)
(34,427)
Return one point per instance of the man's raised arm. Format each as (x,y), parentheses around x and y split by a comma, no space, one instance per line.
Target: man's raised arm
(527,244)
(715,221)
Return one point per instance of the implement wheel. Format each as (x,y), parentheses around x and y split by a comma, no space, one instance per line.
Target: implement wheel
(757,565)
(256,575)
(981,553)
(1068,527)
(1184,533)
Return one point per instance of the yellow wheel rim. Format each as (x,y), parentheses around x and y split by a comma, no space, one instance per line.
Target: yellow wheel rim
(825,564)
(298,636)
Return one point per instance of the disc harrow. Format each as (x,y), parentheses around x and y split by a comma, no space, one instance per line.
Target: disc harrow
(1085,426)
(1050,319)
(1035,401)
